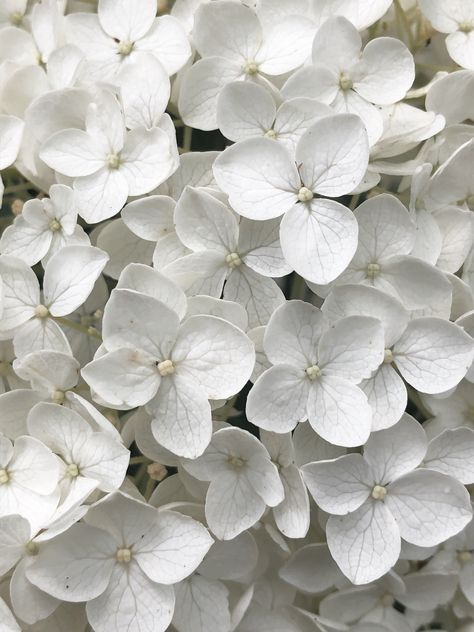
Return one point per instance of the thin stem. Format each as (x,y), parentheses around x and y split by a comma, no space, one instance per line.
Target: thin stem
(150,486)
(406,26)
(187,138)
(135,460)
(354,201)
(88,331)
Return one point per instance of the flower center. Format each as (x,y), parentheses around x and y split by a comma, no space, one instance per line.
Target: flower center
(233,260)
(58,397)
(387,356)
(271,134)
(123,556)
(113,161)
(345,81)
(41,311)
(251,68)
(379,492)
(373,269)
(464,556)
(465,27)
(4,477)
(16,18)
(305,195)
(125,47)
(236,462)
(32,548)
(72,470)
(165,368)
(54,225)
(313,372)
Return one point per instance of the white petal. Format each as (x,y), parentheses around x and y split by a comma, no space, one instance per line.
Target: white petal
(167,40)
(452,452)
(278,399)
(11,131)
(293,333)
(387,395)
(227,30)
(205,223)
(181,417)
(245,110)
(131,602)
(202,605)
(352,348)
(148,159)
(285,45)
(70,276)
(339,411)
(124,377)
(362,300)
(202,84)
(310,569)
(433,355)
(25,241)
(292,515)
(319,239)
(123,247)
(75,566)
(365,544)
(385,228)
(173,548)
(259,176)
(339,486)
(141,278)
(151,217)
(259,245)
(33,466)
(396,451)
(387,70)
(20,292)
(145,91)
(335,153)
(124,20)
(73,153)
(259,295)
(130,320)
(429,507)
(101,195)
(231,506)
(40,334)
(214,354)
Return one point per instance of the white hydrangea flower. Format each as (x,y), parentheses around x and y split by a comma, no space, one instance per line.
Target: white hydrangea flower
(108,163)
(263,180)
(125,31)
(234,45)
(29,474)
(430,353)
(352,81)
(380,497)
(44,227)
(90,459)
(243,481)
(124,558)
(69,277)
(174,370)
(230,257)
(284,124)
(315,374)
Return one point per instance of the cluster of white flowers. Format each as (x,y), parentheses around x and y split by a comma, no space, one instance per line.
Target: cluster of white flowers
(236,315)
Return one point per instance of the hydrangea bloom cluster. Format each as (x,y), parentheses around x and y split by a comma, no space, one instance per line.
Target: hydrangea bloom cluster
(236,315)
